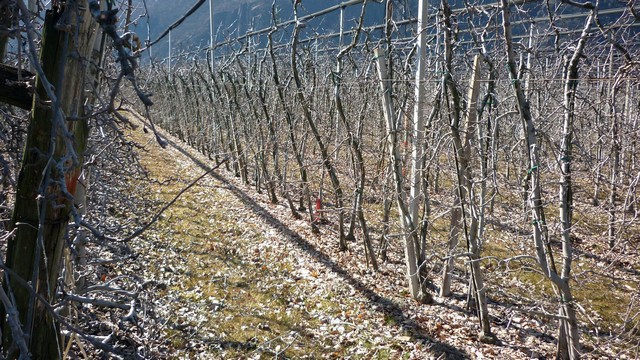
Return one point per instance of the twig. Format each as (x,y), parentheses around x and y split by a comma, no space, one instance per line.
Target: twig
(96,302)
(110,290)
(540,313)
(100,345)
(14,323)
(108,22)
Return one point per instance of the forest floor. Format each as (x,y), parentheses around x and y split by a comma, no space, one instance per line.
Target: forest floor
(226,274)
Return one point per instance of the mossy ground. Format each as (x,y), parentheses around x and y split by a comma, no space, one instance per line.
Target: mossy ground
(239,302)
(234,290)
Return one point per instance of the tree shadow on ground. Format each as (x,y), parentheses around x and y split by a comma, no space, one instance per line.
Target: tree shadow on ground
(384,305)
(577,250)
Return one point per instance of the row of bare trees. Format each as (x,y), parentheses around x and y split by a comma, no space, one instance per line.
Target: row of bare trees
(472,122)
(498,124)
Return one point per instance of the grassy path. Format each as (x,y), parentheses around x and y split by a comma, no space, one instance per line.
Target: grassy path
(239,278)
(238,282)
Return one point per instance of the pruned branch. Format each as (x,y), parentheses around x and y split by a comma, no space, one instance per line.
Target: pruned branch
(15,87)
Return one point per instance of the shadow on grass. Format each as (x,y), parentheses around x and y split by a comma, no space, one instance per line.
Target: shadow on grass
(620,266)
(577,250)
(386,306)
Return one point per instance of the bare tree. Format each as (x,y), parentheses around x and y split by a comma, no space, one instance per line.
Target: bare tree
(416,284)
(326,160)
(355,142)
(569,340)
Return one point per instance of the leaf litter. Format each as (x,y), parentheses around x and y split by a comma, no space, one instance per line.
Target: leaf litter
(237,277)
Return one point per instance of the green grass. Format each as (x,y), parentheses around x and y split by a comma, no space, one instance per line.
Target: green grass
(261,310)
(264,310)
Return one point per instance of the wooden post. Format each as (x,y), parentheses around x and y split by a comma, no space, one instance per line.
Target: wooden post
(14,89)
(418,115)
(42,209)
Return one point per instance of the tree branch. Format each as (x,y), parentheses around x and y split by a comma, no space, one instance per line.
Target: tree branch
(15,87)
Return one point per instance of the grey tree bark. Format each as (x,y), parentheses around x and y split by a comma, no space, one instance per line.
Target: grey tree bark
(569,343)
(467,216)
(416,283)
(326,160)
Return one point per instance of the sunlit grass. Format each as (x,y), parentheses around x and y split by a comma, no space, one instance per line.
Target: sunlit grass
(602,300)
(263,310)
(255,305)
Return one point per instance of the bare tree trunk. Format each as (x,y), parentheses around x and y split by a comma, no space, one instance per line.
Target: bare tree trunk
(368,246)
(236,110)
(599,143)
(417,194)
(615,160)
(462,152)
(631,202)
(416,284)
(487,141)
(326,160)
(569,344)
(386,211)
(452,244)
(230,142)
(215,95)
(356,146)
(261,156)
(292,137)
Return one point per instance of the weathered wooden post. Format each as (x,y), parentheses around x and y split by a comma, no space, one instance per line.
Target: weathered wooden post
(50,168)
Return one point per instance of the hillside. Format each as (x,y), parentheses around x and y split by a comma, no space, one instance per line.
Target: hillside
(232,18)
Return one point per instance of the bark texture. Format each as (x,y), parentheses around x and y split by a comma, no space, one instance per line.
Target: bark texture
(48,177)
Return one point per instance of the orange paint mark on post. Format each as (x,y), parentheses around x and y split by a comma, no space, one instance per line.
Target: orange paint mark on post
(71,180)
(318,210)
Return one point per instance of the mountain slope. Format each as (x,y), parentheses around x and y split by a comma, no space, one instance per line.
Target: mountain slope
(232,18)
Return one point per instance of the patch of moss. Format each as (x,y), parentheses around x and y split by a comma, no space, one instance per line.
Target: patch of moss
(176,338)
(603,297)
